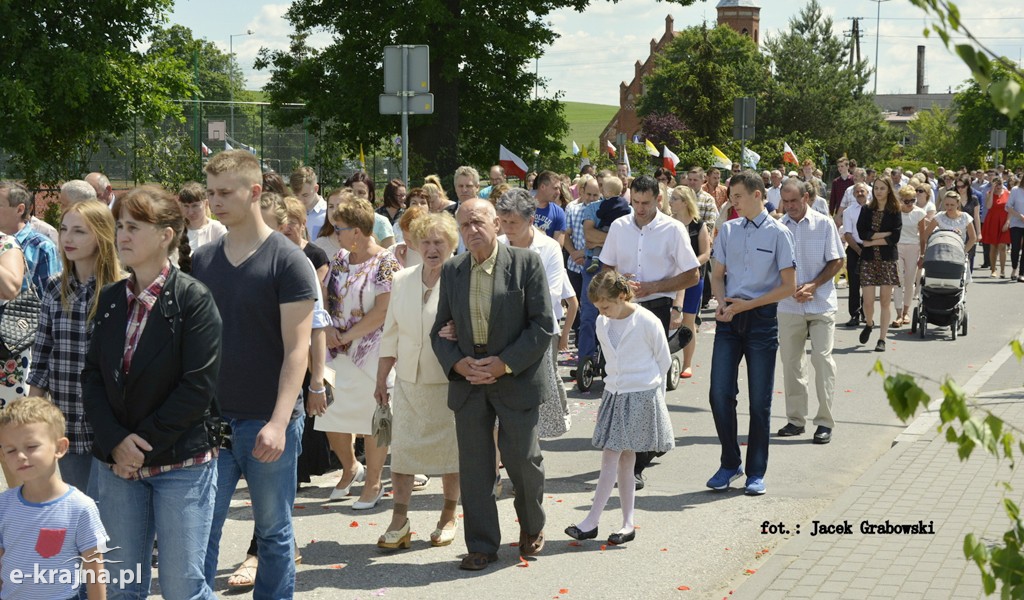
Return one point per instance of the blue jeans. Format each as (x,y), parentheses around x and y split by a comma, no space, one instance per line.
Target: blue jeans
(177,507)
(586,339)
(272,492)
(81,471)
(754,336)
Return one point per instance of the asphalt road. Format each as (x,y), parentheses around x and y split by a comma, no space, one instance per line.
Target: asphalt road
(687,536)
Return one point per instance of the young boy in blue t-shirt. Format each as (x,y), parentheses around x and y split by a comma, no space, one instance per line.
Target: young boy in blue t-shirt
(47,528)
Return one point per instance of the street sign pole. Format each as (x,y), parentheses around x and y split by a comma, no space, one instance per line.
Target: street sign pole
(405,116)
(406,89)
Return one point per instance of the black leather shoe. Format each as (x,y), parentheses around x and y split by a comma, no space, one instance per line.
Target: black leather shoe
(823,435)
(791,430)
(640,483)
(616,539)
(865,333)
(853,322)
(578,534)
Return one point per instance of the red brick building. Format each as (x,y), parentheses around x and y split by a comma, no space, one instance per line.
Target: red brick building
(743,16)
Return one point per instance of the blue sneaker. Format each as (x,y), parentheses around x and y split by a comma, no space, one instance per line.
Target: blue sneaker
(755,486)
(723,477)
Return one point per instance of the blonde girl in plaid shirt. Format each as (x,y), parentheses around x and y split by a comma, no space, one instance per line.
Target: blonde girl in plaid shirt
(89,259)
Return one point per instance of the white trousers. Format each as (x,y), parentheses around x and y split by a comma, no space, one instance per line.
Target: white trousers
(793,330)
(910,276)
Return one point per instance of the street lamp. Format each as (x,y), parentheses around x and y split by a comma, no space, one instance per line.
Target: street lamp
(878,27)
(231,75)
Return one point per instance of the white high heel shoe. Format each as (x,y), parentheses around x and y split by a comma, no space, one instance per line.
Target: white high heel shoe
(339,493)
(360,505)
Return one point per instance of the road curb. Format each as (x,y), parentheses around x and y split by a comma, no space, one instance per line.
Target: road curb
(928,420)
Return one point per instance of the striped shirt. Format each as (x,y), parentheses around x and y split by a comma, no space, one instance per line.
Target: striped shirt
(58,355)
(817,242)
(481,288)
(44,536)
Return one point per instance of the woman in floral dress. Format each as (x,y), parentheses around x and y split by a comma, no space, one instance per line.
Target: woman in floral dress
(358,291)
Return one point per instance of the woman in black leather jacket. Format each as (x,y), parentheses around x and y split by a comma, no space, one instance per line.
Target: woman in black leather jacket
(149,392)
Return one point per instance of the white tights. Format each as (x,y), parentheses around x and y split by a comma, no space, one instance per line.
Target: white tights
(615,465)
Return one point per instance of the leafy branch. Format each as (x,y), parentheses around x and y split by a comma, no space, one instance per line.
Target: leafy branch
(1006,94)
(970,425)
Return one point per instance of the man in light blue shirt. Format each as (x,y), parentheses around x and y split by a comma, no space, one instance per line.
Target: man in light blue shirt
(810,311)
(754,269)
(41,253)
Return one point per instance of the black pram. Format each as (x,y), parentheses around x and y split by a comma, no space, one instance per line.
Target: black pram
(943,286)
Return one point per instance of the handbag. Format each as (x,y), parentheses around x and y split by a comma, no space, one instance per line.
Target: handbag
(19,319)
(381,425)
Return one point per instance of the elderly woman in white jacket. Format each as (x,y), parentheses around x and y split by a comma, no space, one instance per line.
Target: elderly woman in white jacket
(423,431)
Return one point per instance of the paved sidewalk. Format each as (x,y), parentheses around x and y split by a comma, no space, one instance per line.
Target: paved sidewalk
(920,479)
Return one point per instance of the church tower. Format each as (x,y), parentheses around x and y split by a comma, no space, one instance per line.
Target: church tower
(743,16)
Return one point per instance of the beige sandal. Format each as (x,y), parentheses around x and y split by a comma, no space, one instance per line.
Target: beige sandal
(443,536)
(245,575)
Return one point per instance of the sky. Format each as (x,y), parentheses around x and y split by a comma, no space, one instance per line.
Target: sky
(612,36)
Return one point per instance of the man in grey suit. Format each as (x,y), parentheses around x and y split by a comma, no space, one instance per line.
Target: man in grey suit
(498,298)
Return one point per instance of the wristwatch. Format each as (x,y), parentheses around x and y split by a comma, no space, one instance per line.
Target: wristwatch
(508,370)
(678,309)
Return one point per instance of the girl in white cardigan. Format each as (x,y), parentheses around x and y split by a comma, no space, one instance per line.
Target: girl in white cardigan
(633,416)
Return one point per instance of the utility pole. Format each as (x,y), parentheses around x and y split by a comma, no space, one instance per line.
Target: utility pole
(855,35)
(878,25)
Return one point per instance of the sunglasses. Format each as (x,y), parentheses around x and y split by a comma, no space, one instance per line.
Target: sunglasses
(908,202)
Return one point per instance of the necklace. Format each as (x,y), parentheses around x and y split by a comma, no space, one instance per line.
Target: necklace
(247,254)
(428,288)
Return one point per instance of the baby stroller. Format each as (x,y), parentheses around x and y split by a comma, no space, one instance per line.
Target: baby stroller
(593,366)
(941,300)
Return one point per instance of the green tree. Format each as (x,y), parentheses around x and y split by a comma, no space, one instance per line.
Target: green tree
(815,93)
(977,116)
(70,77)
(478,51)
(219,77)
(934,134)
(700,74)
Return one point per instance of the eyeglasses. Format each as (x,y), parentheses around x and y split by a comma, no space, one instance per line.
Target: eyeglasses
(908,202)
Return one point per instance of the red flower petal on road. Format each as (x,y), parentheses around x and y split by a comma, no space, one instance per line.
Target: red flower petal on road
(684,588)
(514,544)
(337,566)
(354,524)
(563,591)
(299,507)
(750,571)
(577,544)
(604,547)
(664,549)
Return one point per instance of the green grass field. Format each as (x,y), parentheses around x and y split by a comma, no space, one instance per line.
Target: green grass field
(586,121)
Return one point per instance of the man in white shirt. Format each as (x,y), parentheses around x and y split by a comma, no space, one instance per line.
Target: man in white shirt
(304,185)
(653,251)
(773,193)
(859,175)
(811,310)
(854,248)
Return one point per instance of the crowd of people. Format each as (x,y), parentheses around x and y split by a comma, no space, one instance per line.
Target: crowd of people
(253,328)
